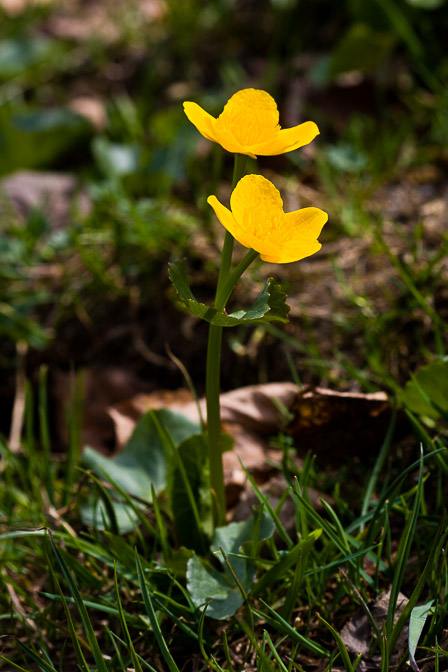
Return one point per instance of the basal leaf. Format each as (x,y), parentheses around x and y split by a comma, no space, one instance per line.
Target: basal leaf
(193,453)
(207,585)
(232,537)
(270,305)
(141,463)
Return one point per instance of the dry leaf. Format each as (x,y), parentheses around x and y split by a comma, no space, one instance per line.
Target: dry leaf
(339,423)
(357,632)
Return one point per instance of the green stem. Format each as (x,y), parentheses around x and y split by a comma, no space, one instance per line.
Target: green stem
(212,390)
(227,250)
(225,291)
(212,385)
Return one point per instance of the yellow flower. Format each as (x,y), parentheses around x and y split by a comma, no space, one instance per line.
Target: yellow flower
(249,125)
(257,220)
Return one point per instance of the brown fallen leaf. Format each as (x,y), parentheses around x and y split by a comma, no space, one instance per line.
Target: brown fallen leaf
(335,424)
(251,407)
(357,632)
(323,420)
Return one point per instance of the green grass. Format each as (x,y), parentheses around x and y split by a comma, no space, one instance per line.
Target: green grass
(70,593)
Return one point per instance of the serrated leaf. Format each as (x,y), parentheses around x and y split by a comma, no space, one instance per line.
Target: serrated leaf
(270,305)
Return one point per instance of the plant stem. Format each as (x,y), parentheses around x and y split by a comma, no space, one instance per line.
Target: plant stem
(227,250)
(212,390)
(227,287)
(212,385)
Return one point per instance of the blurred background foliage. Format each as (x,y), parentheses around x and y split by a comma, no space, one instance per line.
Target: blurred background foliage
(93,90)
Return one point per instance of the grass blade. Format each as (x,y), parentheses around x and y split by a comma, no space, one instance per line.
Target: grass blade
(265,502)
(279,623)
(124,626)
(93,642)
(153,619)
(341,646)
(403,551)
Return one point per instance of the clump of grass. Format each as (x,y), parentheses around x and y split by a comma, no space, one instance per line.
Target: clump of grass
(107,601)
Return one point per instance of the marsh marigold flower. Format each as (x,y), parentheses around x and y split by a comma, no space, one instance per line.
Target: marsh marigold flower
(256,219)
(249,125)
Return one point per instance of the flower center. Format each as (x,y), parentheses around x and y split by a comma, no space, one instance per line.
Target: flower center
(267,224)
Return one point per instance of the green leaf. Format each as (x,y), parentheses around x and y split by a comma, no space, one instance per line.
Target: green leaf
(416,624)
(17,55)
(269,306)
(361,49)
(81,607)
(193,453)
(114,159)
(280,625)
(124,626)
(178,561)
(142,463)
(207,585)
(32,138)
(348,665)
(427,393)
(233,536)
(287,561)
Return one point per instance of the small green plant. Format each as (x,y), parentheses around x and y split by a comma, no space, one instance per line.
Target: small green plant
(248,126)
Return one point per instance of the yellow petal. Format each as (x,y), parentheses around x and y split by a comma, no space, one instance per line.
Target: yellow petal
(223,214)
(307,223)
(227,141)
(292,251)
(257,221)
(247,239)
(286,140)
(240,233)
(250,116)
(203,121)
(255,199)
